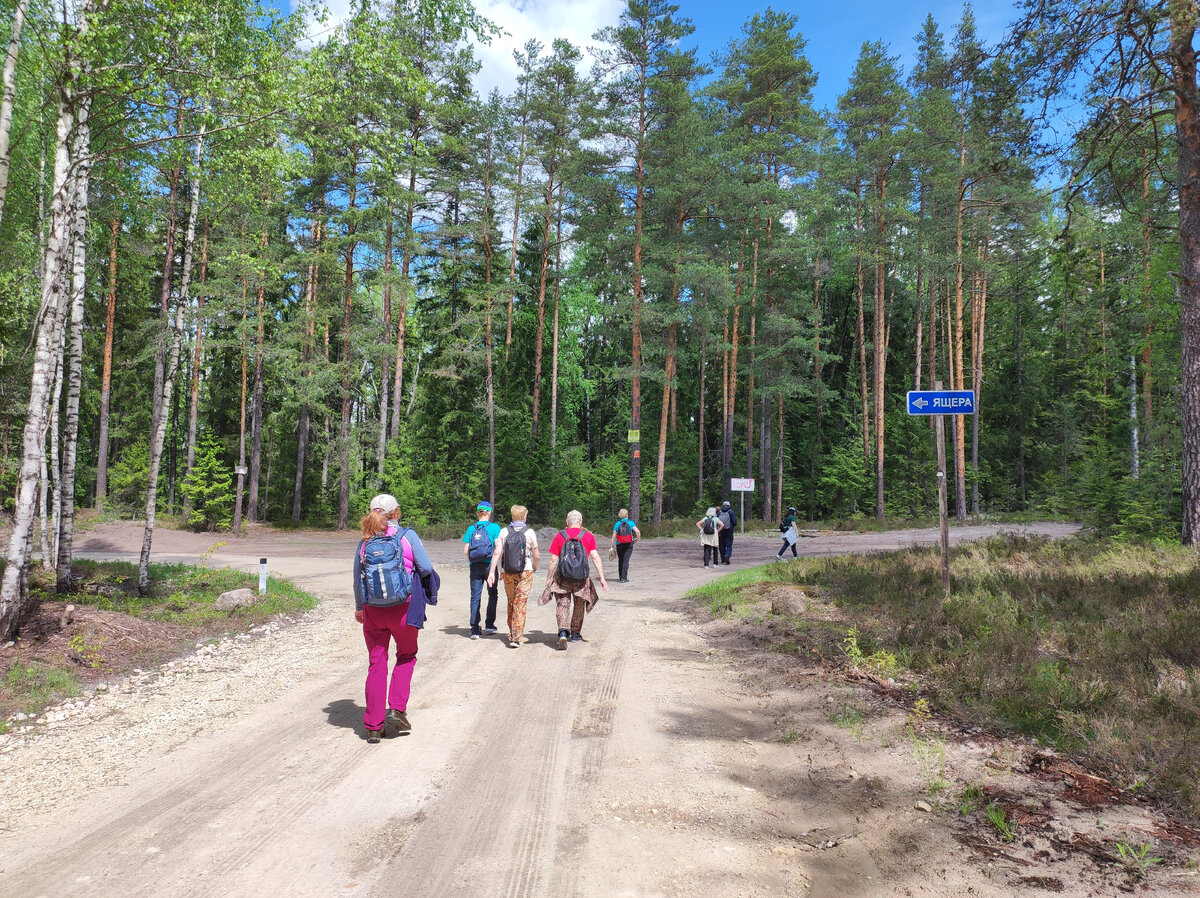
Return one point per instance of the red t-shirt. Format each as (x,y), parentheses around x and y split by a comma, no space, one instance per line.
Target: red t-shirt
(585,537)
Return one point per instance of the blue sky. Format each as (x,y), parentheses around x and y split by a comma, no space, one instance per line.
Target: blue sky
(835,30)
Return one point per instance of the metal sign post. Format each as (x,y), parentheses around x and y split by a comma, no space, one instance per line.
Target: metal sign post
(938,402)
(742,485)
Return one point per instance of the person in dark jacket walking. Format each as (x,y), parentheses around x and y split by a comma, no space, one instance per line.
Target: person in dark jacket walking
(787,529)
(728,518)
(381,625)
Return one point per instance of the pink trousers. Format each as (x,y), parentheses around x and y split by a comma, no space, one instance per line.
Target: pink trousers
(380,626)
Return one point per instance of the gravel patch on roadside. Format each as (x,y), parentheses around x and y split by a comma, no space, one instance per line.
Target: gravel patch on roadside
(92,741)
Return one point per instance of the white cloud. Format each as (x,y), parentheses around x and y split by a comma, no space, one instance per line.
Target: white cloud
(575,20)
(520,20)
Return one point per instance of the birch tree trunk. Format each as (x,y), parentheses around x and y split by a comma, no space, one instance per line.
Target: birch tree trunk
(48,491)
(157,439)
(175,333)
(66,515)
(197,353)
(49,336)
(9,96)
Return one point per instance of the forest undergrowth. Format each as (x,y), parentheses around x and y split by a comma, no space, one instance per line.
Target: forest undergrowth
(113,630)
(1090,646)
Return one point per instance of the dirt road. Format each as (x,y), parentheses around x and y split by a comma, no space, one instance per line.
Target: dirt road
(647,761)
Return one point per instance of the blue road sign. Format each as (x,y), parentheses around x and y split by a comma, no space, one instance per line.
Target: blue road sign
(941,402)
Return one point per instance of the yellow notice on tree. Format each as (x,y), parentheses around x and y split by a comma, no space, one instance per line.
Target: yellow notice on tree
(635,436)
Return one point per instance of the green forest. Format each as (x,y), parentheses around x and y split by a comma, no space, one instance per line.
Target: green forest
(257,267)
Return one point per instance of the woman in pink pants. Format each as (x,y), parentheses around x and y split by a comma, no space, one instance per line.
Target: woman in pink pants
(388,705)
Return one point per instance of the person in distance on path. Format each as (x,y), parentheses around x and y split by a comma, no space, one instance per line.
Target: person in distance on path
(625,534)
(568,579)
(478,544)
(400,621)
(787,528)
(710,530)
(728,518)
(516,556)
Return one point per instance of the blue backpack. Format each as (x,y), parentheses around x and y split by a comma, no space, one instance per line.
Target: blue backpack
(480,546)
(385,580)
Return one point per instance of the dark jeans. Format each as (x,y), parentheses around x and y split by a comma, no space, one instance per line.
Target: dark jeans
(479,572)
(714,553)
(624,550)
(725,537)
(784,548)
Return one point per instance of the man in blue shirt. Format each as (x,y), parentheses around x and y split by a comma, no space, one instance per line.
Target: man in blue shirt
(478,544)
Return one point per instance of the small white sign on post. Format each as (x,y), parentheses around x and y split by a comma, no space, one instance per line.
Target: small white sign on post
(742,485)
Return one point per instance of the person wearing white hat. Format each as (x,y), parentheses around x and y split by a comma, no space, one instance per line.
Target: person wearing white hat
(383,623)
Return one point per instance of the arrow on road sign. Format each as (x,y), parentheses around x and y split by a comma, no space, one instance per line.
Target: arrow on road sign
(941,402)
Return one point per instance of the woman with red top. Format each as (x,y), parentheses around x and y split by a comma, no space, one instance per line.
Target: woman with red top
(568,579)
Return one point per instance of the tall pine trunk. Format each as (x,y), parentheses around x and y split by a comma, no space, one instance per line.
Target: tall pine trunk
(385,373)
(879,355)
(239,489)
(957,378)
(343,519)
(540,339)
(256,400)
(554,342)
(306,353)
(110,317)
(1187,121)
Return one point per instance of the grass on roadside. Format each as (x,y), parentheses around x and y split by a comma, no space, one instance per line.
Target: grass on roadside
(114,629)
(1088,645)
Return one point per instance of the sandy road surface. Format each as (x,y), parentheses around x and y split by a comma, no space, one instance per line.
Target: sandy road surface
(643,762)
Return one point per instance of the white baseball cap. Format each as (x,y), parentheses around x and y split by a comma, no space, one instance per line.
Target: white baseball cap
(384,502)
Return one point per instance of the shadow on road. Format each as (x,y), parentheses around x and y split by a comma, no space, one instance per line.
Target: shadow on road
(344,713)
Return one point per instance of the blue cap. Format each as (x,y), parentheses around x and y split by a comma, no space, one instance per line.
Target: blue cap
(485,505)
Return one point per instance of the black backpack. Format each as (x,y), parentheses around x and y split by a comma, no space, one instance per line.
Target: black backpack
(512,555)
(573,558)
(624,531)
(709,526)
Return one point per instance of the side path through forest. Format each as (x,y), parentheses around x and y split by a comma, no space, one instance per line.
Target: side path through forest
(652,759)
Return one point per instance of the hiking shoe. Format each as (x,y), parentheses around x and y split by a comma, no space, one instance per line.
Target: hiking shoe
(490,630)
(576,637)
(563,636)
(373,736)
(399,720)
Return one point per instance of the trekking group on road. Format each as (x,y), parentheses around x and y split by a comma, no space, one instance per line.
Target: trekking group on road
(394,581)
